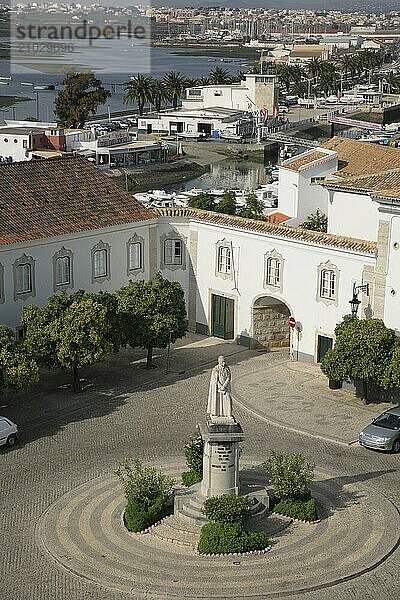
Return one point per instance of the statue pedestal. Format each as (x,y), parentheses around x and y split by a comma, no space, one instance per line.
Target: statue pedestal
(221,437)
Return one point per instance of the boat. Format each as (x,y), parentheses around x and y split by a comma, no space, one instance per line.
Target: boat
(216,192)
(44,87)
(195,192)
(161,195)
(6,78)
(26,83)
(4,83)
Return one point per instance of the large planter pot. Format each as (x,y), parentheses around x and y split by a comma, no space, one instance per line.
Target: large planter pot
(334,384)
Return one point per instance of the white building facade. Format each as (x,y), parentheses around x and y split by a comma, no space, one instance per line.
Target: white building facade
(242,278)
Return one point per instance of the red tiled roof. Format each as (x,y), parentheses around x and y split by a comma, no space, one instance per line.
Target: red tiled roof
(304,159)
(295,233)
(361,158)
(46,198)
(277,217)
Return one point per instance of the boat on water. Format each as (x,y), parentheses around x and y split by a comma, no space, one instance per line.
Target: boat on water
(26,83)
(4,82)
(44,87)
(5,78)
(216,192)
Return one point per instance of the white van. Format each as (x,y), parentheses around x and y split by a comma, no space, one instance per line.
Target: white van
(8,432)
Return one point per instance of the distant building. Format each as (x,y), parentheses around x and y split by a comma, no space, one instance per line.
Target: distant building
(192,122)
(254,92)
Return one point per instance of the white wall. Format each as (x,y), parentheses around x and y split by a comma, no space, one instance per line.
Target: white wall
(297,196)
(42,251)
(299,290)
(353,215)
(392,295)
(14,149)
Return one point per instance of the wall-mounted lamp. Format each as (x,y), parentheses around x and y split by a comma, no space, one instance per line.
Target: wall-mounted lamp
(355,302)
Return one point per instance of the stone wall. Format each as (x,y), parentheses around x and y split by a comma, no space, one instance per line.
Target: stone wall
(271,327)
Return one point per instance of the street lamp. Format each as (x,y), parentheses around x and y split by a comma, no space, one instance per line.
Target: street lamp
(355,302)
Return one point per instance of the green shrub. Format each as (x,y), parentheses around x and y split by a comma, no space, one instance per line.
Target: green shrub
(194,460)
(139,517)
(227,508)
(291,475)
(190,478)
(224,538)
(297,509)
(143,485)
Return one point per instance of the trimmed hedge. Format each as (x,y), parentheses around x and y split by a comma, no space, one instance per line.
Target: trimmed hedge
(226,538)
(304,510)
(139,517)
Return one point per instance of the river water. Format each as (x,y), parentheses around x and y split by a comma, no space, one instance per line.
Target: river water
(113,63)
(228,174)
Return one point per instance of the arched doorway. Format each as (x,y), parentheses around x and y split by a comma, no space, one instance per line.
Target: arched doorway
(270,323)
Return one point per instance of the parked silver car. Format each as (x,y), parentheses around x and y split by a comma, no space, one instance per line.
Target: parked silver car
(384,432)
(8,432)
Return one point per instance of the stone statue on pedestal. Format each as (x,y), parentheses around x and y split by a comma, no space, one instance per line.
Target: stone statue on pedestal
(219,405)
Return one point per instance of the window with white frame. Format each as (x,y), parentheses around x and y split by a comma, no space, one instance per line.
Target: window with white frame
(135,256)
(273,271)
(172,252)
(328,284)
(63,270)
(23,278)
(100,263)
(224,259)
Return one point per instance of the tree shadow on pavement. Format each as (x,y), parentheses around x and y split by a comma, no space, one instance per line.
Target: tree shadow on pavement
(51,404)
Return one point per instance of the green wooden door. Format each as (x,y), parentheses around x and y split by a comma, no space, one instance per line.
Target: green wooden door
(222,315)
(324,344)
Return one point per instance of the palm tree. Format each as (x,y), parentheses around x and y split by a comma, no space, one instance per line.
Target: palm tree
(314,68)
(175,85)
(284,73)
(392,80)
(158,93)
(219,76)
(204,81)
(139,90)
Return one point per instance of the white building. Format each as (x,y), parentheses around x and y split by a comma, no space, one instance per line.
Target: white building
(300,192)
(254,92)
(242,278)
(214,122)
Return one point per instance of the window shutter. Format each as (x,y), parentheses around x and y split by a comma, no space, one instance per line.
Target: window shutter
(18,279)
(26,278)
(66,270)
(168,252)
(135,255)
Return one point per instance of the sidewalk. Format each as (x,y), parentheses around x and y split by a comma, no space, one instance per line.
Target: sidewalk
(296,396)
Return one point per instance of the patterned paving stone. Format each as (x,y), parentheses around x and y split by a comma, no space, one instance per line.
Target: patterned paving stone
(82,531)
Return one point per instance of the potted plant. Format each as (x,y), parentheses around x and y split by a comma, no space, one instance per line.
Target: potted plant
(332,366)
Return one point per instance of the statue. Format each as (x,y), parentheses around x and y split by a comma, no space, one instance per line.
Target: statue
(219,396)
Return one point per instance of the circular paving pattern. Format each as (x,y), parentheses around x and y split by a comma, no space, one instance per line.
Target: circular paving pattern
(82,532)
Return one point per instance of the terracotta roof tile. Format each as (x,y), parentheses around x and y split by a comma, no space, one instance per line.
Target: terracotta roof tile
(385,183)
(304,160)
(360,158)
(277,217)
(45,198)
(294,233)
